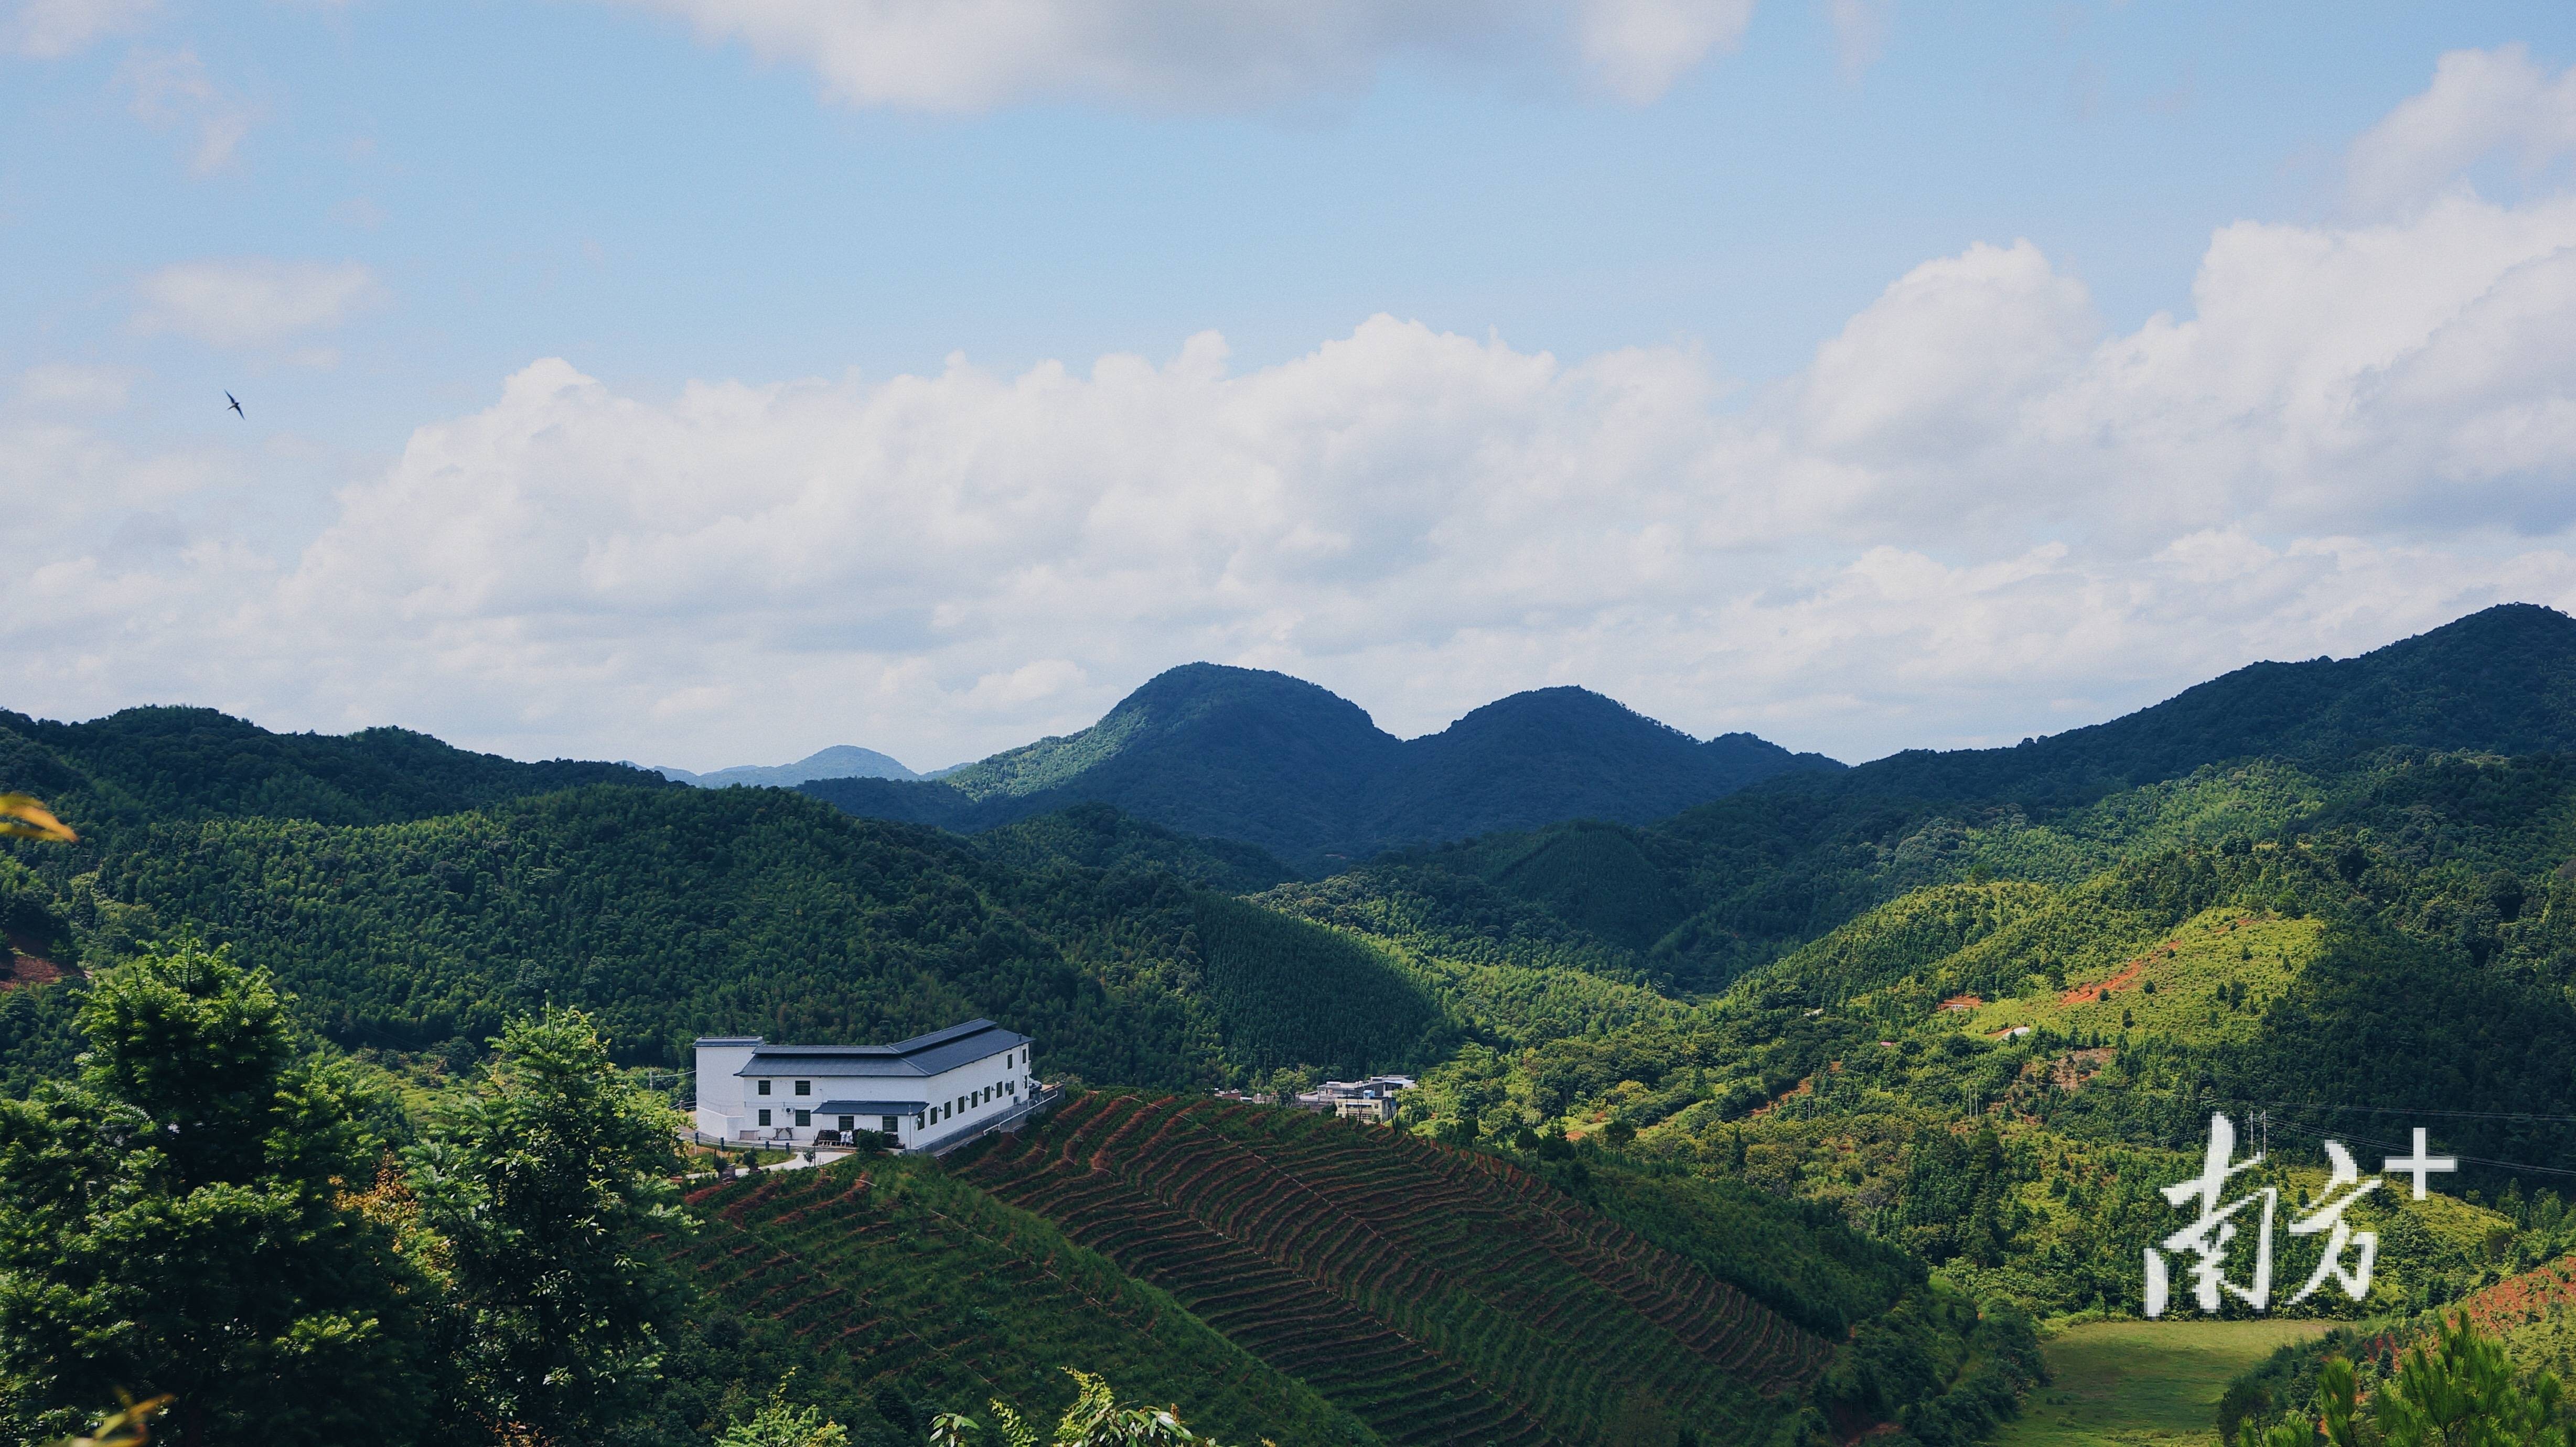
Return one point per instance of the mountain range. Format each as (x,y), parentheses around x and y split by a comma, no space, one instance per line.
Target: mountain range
(1270,760)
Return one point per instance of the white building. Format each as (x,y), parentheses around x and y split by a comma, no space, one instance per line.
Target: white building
(1370,1099)
(923,1091)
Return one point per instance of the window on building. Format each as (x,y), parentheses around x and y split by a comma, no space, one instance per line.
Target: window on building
(921,1120)
(886,1124)
(804,1087)
(804,1117)
(763,1087)
(849,1122)
(764,1117)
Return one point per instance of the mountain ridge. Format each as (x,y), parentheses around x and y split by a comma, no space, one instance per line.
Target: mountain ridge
(1289,766)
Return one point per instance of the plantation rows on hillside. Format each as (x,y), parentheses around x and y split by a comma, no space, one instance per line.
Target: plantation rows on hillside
(888,1275)
(1440,1296)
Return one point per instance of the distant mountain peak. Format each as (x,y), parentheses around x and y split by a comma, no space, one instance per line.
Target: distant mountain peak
(840,761)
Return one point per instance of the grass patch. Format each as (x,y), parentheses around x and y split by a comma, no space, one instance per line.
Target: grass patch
(2136,1382)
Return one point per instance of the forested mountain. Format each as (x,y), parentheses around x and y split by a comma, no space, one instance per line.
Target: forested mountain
(670,913)
(165,764)
(840,761)
(2500,681)
(1270,760)
(1727,886)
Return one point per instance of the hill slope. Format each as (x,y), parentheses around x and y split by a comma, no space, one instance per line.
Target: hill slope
(1241,754)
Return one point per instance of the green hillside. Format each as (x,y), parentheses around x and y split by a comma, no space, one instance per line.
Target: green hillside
(670,913)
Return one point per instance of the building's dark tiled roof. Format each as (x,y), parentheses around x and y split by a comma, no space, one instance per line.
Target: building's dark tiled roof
(940,1050)
(872,1107)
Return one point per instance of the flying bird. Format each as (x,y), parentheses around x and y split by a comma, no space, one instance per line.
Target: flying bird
(229,397)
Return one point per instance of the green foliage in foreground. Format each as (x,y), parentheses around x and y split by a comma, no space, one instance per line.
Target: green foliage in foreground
(1094,1420)
(541,1187)
(176,1223)
(209,1214)
(2457,1391)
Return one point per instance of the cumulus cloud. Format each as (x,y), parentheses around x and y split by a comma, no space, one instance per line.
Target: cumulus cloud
(1978,512)
(2481,102)
(51,29)
(251,301)
(972,55)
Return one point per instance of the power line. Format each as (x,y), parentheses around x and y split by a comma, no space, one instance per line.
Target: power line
(2405,1145)
(2396,1110)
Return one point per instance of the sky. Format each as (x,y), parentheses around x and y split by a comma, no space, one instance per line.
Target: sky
(706,383)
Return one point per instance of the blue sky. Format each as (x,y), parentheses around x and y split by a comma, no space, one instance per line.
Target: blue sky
(1711,371)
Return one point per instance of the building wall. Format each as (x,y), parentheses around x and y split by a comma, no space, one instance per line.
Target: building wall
(720,1090)
(957,1100)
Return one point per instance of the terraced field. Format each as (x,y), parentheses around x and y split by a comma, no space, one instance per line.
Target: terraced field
(890,1272)
(1441,1296)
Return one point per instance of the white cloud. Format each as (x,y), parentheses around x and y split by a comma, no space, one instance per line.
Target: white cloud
(73,386)
(250,301)
(1980,512)
(51,29)
(2480,102)
(171,90)
(972,55)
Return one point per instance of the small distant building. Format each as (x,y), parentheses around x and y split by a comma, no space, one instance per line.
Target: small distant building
(926,1092)
(1370,1099)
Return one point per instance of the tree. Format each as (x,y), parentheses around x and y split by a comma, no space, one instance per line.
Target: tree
(183,1221)
(780,1425)
(1094,1420)
(546,1184)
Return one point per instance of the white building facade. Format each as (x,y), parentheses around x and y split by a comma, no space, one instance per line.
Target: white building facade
(924,1092)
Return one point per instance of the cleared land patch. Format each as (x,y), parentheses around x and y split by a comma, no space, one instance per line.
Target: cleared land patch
(2143,1383)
